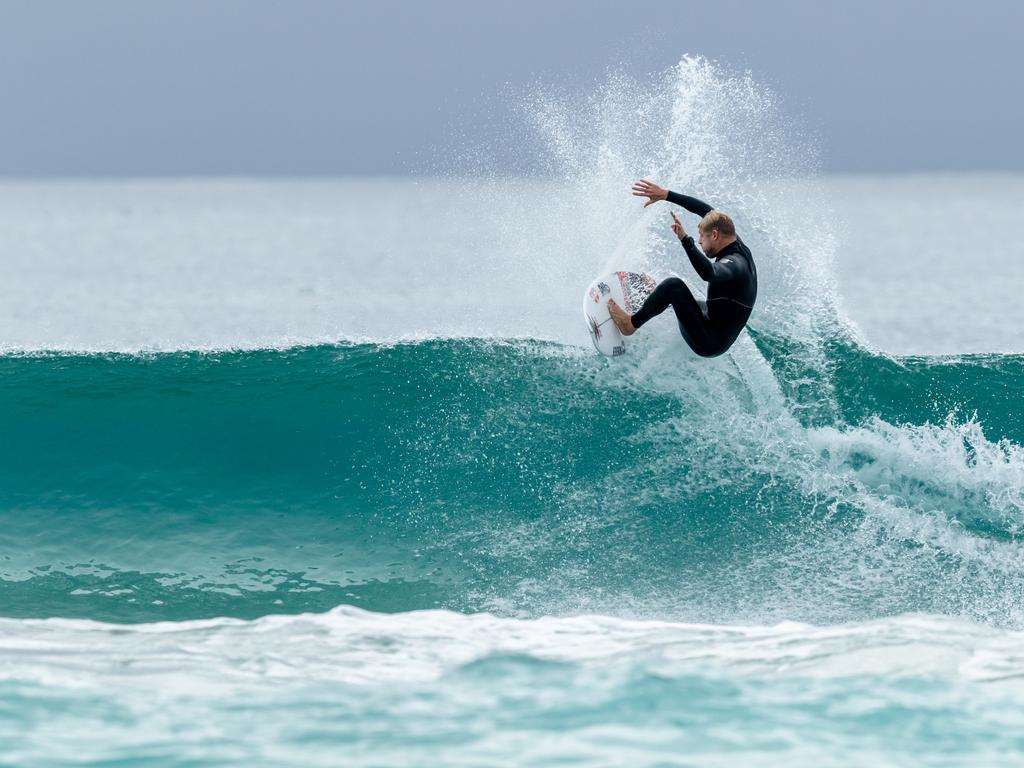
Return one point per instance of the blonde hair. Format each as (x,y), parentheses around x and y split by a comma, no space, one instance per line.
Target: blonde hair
(718,221)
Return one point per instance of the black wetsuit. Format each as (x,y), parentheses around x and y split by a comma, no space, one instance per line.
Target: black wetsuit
(732,290)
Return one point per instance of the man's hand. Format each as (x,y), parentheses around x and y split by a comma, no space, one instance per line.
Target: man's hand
(677,226)
(653,192)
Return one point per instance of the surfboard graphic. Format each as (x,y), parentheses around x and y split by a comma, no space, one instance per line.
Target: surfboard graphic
(629,289)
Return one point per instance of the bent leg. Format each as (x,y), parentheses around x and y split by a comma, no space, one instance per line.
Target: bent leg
(693,324)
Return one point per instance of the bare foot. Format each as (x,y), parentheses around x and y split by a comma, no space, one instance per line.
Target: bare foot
(621,319)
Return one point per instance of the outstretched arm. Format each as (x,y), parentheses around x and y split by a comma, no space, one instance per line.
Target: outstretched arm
(654,193)
(692,204)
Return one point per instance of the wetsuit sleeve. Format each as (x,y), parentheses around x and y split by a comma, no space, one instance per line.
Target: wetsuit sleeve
(692,204)
(710,271)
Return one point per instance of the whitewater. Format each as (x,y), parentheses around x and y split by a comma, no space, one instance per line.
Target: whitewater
(323,472)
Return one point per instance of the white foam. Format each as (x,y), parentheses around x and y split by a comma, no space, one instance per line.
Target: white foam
(352,646)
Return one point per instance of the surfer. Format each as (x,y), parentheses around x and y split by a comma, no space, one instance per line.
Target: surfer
(711,327)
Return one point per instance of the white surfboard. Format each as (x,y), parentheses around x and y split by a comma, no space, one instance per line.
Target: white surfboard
(629,289)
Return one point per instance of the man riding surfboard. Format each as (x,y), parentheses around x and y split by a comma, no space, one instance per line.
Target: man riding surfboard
(711,327)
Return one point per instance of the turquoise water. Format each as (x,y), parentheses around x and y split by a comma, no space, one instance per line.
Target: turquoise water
(289,479)
(464,475)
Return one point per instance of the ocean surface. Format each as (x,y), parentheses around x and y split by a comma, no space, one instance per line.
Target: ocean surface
(326,472)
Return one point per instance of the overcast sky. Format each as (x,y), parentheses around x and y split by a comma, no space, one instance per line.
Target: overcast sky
(345,87)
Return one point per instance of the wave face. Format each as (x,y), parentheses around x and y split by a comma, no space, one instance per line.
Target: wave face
(521,478)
